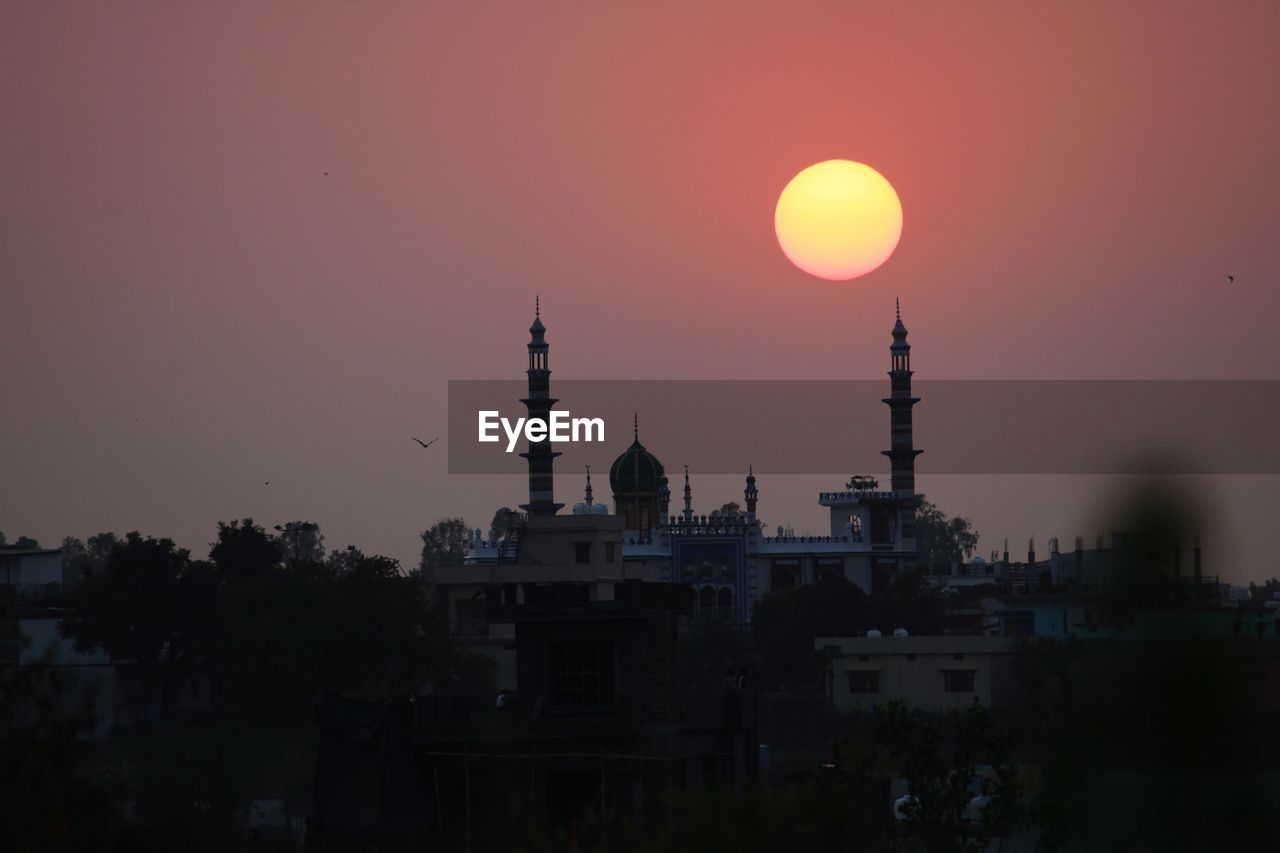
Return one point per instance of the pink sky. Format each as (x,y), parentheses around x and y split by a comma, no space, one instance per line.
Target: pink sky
(192,307)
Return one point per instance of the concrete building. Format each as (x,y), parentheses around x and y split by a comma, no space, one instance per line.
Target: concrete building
(934,674)
(30,610)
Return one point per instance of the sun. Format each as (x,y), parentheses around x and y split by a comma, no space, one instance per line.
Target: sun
(838,220)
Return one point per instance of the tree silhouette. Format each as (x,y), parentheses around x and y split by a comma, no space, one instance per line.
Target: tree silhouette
(940,540)
(443,544)
(128,610)
(244,551)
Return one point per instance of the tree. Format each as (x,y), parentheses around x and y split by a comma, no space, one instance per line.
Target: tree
(785,624)
(343,560)
(244,551)
(503,520)
(128,610)
(1267,591)
(80,559)
(303,632)
(910,601)
(443,544)
(301,542)
(942,541)
(939,759)
(47,800)
(729,512)
(23,543)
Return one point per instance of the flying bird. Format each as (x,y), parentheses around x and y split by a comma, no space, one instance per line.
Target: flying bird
(1231,279)
(426,444)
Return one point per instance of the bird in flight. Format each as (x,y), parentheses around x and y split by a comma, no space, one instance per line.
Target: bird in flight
(427,443)
(1231,279)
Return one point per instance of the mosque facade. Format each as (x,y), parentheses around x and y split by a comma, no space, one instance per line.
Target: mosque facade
(731,561)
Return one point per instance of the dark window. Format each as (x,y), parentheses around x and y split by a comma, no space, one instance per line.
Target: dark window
(582,552)
(828,569)
(724,601)
(958,680)
(1019,626)
(864,658)
(957,656)
(785,574)
(582,673)
(911,657)
(864,681)
(707,599)
(610,552)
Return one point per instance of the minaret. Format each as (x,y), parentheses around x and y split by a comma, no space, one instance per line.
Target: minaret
(664,501)
(902,453)
(751,493)
(586,495)
(688,497)
(539,402)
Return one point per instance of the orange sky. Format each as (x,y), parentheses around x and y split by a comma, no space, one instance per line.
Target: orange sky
(192,307)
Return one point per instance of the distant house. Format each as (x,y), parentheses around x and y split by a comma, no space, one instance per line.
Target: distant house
(31,607)
(925,673)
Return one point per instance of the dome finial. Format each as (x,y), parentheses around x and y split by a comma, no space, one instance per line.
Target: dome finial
(635,425)
(897,307)
(537,306)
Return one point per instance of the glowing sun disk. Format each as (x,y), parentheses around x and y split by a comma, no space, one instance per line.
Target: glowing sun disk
(838,220)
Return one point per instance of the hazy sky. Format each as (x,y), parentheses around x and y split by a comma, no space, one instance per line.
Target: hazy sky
(192,307)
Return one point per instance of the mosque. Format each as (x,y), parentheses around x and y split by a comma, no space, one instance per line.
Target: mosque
(728,561)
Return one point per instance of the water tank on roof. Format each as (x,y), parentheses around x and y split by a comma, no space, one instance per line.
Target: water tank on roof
(873,633)
(899,632)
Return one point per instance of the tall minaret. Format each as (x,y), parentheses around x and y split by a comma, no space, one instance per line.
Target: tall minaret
(539,402)
(751,493)
(688,497)
(902,453)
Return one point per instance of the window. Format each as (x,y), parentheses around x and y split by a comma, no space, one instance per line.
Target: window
(724,601)
(582,552)
(610,552)
(855,528)
(958,680)
(828,568)
(707,600)
(582,673)
(785,574)
(864,681)
(1019,625)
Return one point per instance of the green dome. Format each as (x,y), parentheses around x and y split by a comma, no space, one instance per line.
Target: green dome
(635,472)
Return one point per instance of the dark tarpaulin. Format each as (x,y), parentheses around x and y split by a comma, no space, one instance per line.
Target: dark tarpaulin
(366,777)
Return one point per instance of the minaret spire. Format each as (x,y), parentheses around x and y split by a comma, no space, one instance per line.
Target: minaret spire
(902,453)
(688,497)
(751,493)
(587,493)
(540,456)
(635,425)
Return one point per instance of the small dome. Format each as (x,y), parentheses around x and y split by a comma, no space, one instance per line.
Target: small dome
(635,472)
